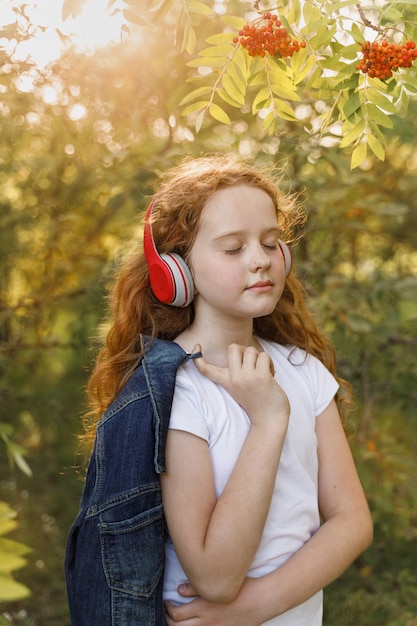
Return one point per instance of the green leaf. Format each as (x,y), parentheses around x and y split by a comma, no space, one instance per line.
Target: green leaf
(201,91)
(7,518)
(12,546)
(195,6)
(189,40)
(207,62)
(294,11)
(376,147)
(200,120)
(261,100)
(378,116)
(220,39)
(10,590)
(383,102)
(219,114)
(284,110)
(311,12)
(233,22)
(321,40)
(6,430)
(301,73)
(357,34)
(196,106)
(233,90)
(391,14)
(282,91)
(217,51)
(22,464)
(238,71)
(226,98)
(352,105)
(10,562)
(269,124)
(358,155)
(353,134)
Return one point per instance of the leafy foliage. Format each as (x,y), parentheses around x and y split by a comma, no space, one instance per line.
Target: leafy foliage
(356,108)
(11,557)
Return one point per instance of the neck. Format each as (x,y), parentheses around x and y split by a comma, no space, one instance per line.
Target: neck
(215,337)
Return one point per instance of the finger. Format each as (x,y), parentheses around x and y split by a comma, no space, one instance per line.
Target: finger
(184,613)
(265,362)
(187,590)
(250,358)
(216,374)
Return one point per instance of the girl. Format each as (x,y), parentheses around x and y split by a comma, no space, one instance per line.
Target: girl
(255,456)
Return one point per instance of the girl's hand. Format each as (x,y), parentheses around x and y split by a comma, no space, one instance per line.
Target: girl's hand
(199,612)
(249,378)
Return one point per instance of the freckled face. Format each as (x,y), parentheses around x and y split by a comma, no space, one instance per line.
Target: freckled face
(236,261)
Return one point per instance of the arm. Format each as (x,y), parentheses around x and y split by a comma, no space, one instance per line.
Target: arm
(216,540)
(345,533)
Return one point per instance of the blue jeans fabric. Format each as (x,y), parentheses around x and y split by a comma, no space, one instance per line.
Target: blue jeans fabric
(114,559)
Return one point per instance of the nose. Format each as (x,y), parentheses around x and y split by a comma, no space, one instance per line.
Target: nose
(260,259)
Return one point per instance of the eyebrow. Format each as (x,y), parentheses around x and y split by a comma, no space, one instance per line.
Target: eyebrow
(237,233)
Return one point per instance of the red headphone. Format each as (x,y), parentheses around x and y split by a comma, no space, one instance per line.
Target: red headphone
(169,275)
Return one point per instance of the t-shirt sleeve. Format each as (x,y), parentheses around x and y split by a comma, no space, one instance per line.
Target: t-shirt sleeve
(324,384)
(187,412)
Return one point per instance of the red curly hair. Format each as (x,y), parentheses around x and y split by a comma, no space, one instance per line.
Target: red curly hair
(134,310)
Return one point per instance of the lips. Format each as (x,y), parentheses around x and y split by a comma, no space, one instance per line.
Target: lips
(261,285)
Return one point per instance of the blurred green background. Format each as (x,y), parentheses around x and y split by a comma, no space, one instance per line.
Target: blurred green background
(81,148)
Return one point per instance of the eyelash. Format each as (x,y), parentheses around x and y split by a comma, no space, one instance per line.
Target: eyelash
(268,247)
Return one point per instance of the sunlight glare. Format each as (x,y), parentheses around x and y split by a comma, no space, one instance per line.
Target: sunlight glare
(93,28)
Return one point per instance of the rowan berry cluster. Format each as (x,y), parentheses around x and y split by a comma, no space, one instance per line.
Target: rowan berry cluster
(267,36)
(381,58)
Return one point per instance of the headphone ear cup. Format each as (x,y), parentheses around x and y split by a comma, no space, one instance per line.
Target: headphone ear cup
(286,253)
(178,274)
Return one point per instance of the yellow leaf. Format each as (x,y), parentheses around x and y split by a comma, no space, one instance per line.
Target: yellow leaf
(216,51)
(358,155)
(234,22)
(218,114)
(232,89)
(353,134)
(199,7)
(226,98)
(10,590)
(201,91)
(376,147)
(262,99)
(196,106)
(189,40)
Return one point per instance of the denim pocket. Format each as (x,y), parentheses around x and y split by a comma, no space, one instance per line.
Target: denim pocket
(133,551)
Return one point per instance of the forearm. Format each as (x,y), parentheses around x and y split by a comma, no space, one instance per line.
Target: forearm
(319,562)
(234,531)
(315,565)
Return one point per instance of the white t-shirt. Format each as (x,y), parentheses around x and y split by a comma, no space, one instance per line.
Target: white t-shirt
(207,410)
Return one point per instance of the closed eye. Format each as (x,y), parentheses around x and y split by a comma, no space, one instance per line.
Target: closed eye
(270,246)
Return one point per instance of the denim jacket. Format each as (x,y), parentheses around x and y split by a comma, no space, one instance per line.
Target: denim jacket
(114,559)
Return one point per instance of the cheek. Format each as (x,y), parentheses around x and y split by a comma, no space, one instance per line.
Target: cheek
(214,275)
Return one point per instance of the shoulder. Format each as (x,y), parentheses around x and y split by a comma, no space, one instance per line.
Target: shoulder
(305,368)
